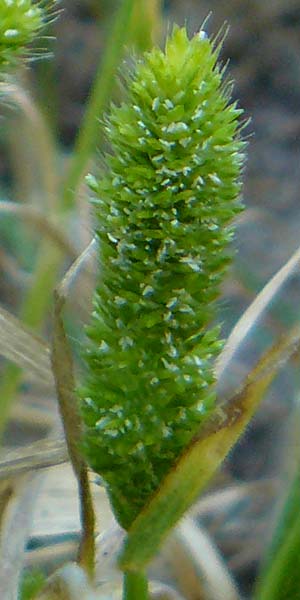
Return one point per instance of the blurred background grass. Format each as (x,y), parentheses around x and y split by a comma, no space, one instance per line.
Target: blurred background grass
(263,45)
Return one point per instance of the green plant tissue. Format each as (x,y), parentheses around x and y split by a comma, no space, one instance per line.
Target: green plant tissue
(164,205)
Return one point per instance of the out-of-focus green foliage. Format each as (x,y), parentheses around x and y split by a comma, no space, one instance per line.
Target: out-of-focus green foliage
(280,578)
(32,583)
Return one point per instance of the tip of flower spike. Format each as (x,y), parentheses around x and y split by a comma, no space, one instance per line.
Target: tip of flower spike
(202,35)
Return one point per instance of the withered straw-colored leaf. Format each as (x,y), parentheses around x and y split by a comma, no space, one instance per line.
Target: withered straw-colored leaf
(221,501)
(68,583)
(65,385)
(16,526)
(255,311)
(37,144)
(25,349)
(39,455)
(59,552)
(208,564)
(161,591)
(194,469)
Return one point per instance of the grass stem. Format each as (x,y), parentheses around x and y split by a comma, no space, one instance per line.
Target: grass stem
(89,133)
(135,586)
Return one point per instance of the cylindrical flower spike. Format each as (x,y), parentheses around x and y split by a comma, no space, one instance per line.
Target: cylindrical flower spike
(163,213)
(20,23)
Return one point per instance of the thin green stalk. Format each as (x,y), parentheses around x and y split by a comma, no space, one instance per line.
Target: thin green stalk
(135,586)
(280,574)
(146,24)
(9,383)
(88,136)
(36,303)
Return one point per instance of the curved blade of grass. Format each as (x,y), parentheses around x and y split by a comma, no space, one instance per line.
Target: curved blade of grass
(63,370)
(42,225)
(87,256)
(207,562)
(25,349)
(196,467)
(39,455)
(38,144)
(281,581)
(254,312)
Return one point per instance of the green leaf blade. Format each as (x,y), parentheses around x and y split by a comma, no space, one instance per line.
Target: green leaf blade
(198,464)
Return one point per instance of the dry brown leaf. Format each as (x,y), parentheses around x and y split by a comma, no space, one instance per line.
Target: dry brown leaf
(16,524)
(40,455)
(19,345)
(69,583)
(63,370)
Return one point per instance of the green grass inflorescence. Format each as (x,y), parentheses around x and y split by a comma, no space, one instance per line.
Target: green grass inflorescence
(20,23)
(163,210)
